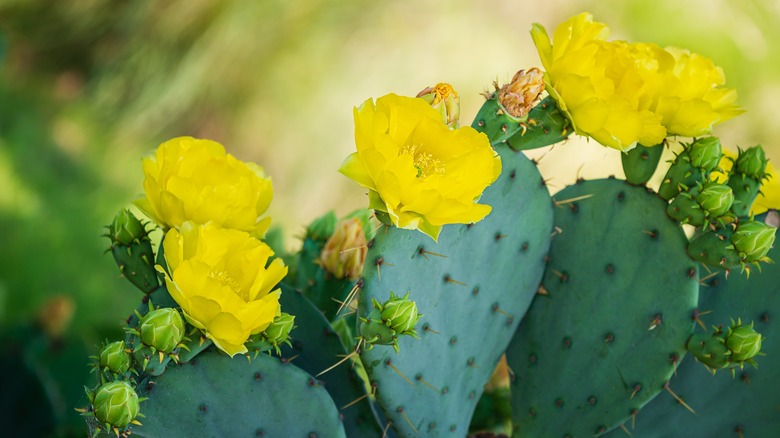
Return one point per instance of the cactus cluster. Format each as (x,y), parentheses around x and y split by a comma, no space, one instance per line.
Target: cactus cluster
(393,321)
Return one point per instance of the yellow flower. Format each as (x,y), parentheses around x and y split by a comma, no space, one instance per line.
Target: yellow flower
(691,98)
(189,179)
(598,84)
(222,280)
(417,170)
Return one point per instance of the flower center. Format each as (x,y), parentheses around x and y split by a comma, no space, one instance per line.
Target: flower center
(226,280)
(424,162)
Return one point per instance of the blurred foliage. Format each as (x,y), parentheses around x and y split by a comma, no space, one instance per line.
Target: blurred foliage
(88,86)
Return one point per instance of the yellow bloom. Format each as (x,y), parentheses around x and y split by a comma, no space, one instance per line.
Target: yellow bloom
(417,170)
(598,84)
(222,280)
(691,98)
(189,179)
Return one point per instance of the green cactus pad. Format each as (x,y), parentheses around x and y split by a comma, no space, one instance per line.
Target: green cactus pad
(640,163)
(315,347)
(136,263)
(544,126)
(472,287)
(620,292)
(218,396)
(743,405)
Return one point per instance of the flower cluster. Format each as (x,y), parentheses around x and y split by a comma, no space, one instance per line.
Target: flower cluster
(218,272)
(623,94)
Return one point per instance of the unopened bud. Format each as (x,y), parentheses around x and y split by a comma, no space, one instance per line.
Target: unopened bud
(114,357)
(373,330)
(743,342)
(126,228)
(279,330)
(716,199)
(400,314)
(162,329)
(751,162)
(444,99)
(753,240)
(345,252)
(705,153)
(519,96)
(116,404)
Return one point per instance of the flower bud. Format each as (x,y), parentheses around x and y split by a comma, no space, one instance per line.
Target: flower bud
(400,314)
(709,350)
(126,228)
(444,99)
(280,328)
(162,329)
(345,252)
(519,96)
(716,199)
(753,240)
(751,162)
(705,153)
(114,357)
(743,342)
(116,404)
(374,331)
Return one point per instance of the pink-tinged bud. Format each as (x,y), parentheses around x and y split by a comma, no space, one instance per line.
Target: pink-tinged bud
(345,252)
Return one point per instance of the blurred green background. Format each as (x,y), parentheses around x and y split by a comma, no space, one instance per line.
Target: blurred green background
(88,87)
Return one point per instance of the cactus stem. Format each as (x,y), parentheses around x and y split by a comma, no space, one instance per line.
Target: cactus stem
(570,200)
(678,398)
(624,429)
(390,364)
(353,402)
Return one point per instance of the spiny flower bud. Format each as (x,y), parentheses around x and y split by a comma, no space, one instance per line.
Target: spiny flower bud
(126,228)
(709,350)
(445,99)
(519,96)
(280,328)
(345,252)
(114,357)
(716,199)
(400,314)
(743,342)
(751,162)
(753,240)
(162,329)
(705,153)
(373,330)
(116,404)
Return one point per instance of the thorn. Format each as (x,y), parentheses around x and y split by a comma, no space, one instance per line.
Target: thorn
(390,364)
(623,427)
(707,277)
(495,308)
(556,230)
(424,382)
(352,403)
(657,319)
(425,253)
(542,290)
(387,427)
(563,277)
(351,295)
(407,420)
(570,200)
(677,397)
(449,279)
(347,357)
(428,329)
(352,249)
(579,169)
(637,388)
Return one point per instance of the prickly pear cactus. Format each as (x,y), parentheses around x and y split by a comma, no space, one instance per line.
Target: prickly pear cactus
(742,405)
(261,397)
(473,288)
(611,325)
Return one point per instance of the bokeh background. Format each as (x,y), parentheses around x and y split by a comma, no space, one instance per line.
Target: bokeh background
(88,87)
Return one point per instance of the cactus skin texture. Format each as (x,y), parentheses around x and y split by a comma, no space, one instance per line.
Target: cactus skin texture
(607,334)
(132,251)
(215,396)
(545,125)
(472,287)
(741,406)
(315,347)
(640,163)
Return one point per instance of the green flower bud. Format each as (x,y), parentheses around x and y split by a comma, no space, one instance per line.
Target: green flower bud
(751,162)
(716,199)
(116,404)
(322,227)
(709,350)
(162,329)
(400,314)
(444,99)
(743,342)
(753,240)
(705,153)
(345,252)
(126,228)
(114,357)
(374,331)
(280,328)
